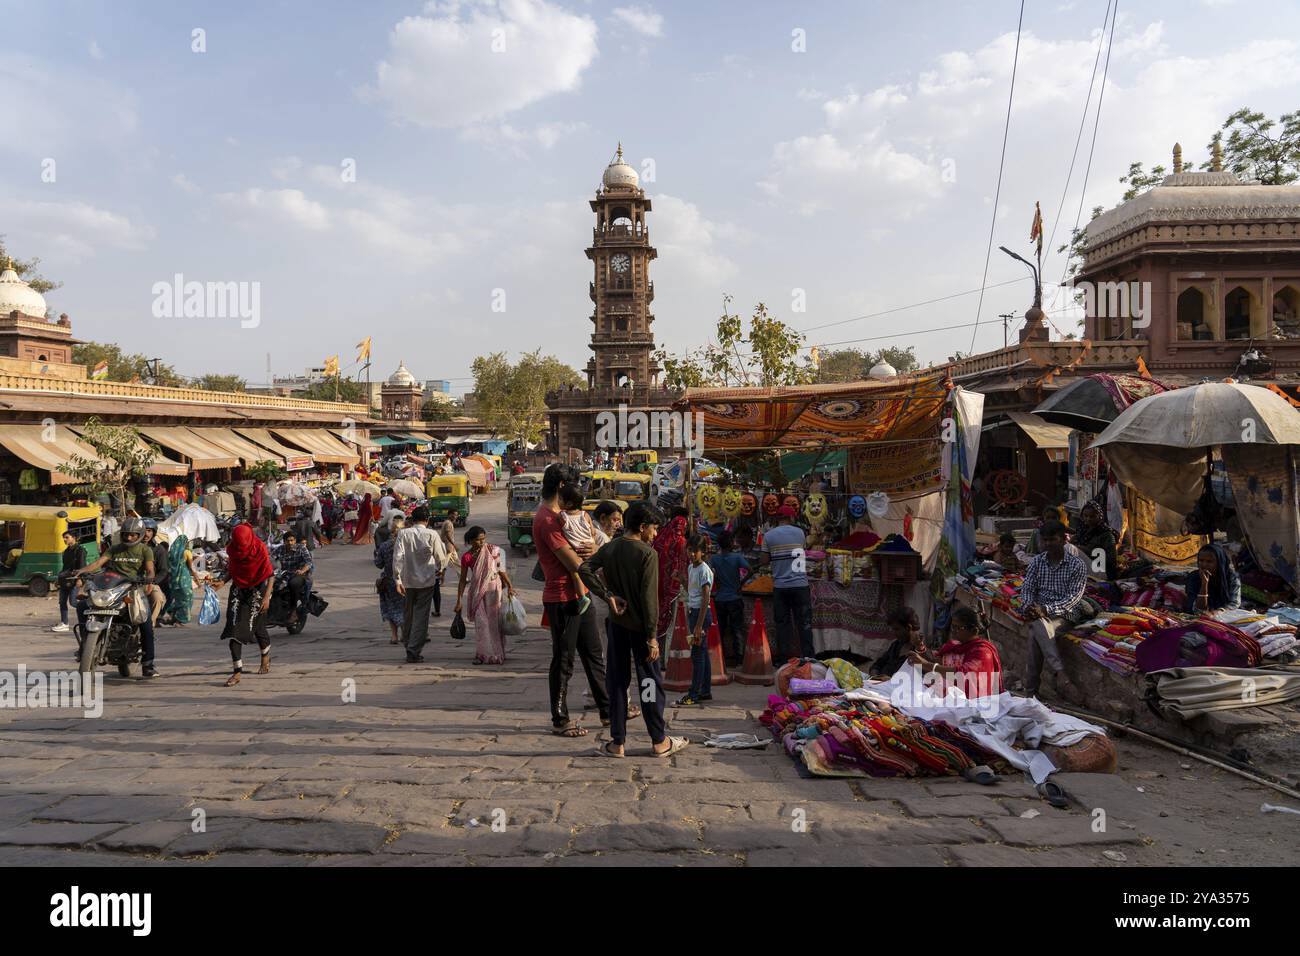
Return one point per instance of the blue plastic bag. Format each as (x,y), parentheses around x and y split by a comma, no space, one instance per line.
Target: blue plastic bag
(210,612)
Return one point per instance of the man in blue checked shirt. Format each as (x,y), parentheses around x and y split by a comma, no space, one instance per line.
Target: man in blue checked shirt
(1053,584)
(296,558)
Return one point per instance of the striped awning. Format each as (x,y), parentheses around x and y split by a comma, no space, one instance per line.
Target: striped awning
(249,452)
(322,445)
(353,437)
(162,465)
(295,458)
(48,447)
(201,452)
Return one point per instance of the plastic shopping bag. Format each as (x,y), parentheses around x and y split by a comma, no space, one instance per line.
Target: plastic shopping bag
(210,612)
(458,627)
(514,619)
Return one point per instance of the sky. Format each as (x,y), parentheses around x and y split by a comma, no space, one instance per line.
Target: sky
(397,169)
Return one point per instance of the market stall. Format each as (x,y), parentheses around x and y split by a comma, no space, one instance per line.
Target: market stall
(871,481)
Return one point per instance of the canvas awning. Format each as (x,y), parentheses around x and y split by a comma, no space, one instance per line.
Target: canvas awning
(477,473)
(351,436)
(907,409)
(424,437)
(295,458)
(1045,435)
(324,447)
(249,452)
(46,447)
(201,452)
(162,465)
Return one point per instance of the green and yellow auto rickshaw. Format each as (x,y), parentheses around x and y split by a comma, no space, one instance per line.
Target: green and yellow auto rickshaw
(31,542)
(525,494)
(598,486)
(448,497)
(641,460)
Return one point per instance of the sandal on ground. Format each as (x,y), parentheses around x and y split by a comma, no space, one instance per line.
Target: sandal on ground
(634,713)
(604,751)
(982,774)
(572,730)
(265,667)
(233,679)
(674,745)
(1053,794)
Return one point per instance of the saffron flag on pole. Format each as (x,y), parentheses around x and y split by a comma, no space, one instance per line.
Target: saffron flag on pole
(363,347)
(332,366)
(100,370)
(1036,230)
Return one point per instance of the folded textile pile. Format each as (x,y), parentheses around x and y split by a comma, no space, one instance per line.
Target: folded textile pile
(1112,638)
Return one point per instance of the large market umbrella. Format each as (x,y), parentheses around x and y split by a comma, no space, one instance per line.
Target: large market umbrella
(355,486)
(295,493)
(1163,443)
(1091,403)
(194,521)
(407,488)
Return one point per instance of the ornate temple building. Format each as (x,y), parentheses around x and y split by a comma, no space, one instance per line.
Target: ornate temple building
(622,369)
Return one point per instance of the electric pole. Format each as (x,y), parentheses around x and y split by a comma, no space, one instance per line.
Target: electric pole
(1005,317)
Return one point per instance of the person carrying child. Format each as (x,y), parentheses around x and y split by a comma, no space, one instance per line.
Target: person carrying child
(581,533)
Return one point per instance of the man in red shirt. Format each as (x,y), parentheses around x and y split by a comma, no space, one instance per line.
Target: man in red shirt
(570,631)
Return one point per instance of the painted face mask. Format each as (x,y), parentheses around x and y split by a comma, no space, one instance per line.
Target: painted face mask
(791,501)
(771,505)
(857,506)
(707,497)
(815,508)
(748,504)
(731,502)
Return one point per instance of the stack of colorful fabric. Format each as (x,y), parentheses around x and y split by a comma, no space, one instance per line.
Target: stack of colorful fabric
(834,737)
(1112,638)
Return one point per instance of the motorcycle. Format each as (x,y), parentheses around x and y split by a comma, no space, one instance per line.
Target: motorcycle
(282,605)
(109,634)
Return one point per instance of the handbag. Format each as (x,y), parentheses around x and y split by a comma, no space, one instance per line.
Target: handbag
(458,627)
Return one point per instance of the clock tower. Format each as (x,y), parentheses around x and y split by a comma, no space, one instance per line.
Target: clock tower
(620,252)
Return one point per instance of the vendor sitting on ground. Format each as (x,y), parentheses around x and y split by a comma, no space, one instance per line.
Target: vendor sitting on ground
(1096,542)
(907,639)
(1054,583)
(1008,554)
(968,661)
(1214,584)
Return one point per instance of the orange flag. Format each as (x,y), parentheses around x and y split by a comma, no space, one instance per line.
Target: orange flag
(1142,368)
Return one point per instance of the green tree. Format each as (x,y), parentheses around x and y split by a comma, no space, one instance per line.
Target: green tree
(266,471)
(854,365)
(219,383)
(766,355)
(511,397)
(123,367)
(28,270)
(436,411)
(1139,180)
(1260,148)
(349,390)
(123,454)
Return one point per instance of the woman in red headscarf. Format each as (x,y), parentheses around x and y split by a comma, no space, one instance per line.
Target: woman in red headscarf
(251,577)
(670,542)
(365,518)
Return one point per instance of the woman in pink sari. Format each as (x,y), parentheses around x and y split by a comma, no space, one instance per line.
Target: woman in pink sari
(670,544)
(483,575)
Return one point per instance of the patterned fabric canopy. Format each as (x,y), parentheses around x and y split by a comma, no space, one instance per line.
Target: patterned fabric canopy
(752,419)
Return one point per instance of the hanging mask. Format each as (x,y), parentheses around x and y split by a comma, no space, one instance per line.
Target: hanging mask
(791,501)
(771,505)
(707,497)
(878,504)
(857,506)
(731,502)
(748,504)
(816,508)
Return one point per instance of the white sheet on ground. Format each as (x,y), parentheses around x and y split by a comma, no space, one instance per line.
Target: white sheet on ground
(997,723)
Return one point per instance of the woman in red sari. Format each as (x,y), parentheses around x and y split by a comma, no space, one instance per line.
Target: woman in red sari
(365,518)
(671,545)
(969,661)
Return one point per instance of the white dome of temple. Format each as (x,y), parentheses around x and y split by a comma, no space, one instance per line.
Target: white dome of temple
(15,294)
(401,376)
(619,173)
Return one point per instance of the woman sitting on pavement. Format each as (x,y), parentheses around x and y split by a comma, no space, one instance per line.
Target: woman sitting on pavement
(968,661)
(907,639)
(1214,584)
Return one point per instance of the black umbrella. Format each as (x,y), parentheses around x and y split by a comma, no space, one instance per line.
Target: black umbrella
(1086,405)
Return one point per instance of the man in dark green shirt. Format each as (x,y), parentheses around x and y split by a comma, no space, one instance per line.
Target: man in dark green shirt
(625,573)
(132,558)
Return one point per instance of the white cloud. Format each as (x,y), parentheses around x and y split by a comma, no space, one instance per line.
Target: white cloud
(289,206)
(94,50)
(455,68)
(515,140)
(690,244)
(641,19)
(185,184)
(69,231)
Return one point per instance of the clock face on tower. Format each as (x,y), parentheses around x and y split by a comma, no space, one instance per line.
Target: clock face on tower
(620,263)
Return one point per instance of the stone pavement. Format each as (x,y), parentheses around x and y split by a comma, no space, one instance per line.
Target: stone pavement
(445,763)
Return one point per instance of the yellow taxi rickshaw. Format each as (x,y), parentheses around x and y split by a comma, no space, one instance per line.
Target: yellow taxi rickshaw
(447,496)
(597,486)
(31,542)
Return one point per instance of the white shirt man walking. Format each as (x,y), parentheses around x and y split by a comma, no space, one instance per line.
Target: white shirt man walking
(418,559)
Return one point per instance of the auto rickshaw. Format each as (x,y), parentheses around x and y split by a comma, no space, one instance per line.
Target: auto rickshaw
(642,460)
(598,486)
(525,494)
(448,497)
(31,545)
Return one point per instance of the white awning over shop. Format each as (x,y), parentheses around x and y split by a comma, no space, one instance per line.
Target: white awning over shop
(48,447)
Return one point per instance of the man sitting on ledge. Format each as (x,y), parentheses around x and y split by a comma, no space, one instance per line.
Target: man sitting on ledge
(1053,584)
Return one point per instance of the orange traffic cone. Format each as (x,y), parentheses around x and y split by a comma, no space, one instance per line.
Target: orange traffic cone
(757,668)
(677,675)
(717,665)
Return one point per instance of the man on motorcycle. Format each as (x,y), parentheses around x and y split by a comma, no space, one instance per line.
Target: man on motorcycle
(295,558)
(134,559)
